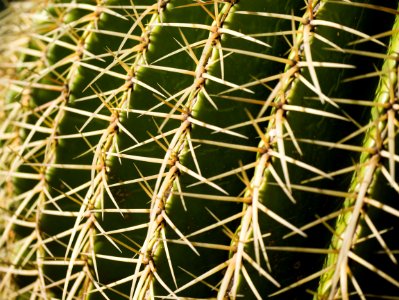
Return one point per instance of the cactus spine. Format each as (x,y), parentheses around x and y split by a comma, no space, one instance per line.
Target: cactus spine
(198,149)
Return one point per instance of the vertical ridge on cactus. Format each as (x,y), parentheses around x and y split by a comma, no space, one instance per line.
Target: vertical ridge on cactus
(187,149)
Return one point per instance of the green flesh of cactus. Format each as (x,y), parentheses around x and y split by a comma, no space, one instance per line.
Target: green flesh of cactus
(187,149)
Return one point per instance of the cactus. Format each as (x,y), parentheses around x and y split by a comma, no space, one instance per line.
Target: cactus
(189,149)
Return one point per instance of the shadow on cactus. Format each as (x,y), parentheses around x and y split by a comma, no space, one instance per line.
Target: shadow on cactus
(187,149)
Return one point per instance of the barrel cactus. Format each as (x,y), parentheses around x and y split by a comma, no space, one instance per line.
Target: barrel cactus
(199,149)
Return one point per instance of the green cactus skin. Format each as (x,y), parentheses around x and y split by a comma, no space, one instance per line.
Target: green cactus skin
(187,149)
(376,170)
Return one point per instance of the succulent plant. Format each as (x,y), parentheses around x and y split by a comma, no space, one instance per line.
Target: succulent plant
(199,149)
